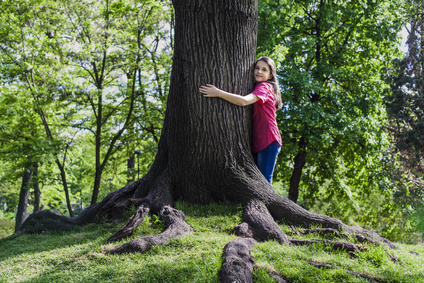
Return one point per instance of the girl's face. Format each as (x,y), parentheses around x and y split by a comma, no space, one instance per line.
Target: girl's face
(262,72)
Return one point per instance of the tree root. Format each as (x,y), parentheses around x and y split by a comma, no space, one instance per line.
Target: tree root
(138,217)
(175,227)
(238,264)
(325,231)
(153,194)
(46,220)
(257,216)
(277,277)
(337,246)
(358,274)
(260,225)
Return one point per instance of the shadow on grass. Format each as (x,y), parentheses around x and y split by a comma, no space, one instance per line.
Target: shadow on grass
(217,216)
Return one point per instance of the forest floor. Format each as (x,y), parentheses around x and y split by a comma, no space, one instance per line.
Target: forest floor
(79,255)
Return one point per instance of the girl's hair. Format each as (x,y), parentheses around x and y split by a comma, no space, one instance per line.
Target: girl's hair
(273,81)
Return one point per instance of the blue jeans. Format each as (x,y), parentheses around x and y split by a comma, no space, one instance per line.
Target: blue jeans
(266,159)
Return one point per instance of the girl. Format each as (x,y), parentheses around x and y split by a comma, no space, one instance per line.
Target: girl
(266,100)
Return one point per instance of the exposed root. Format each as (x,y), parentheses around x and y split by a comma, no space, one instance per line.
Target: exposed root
(326,231)
(294,230)
(46,220)
(359,237)
(277,277)
(112,207)
(135,220)
(238,264)
(338,246)
(245,230)
(262,223)
(358,274)
(175,227)
(364,235)
(283,209)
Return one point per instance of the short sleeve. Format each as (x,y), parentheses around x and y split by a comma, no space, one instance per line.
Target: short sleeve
(263,91)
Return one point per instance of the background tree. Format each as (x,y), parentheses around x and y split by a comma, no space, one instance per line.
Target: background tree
(405,107)
(204,151)
(61,87)
(333,115)
(21,142)
(111,50)
(28,65)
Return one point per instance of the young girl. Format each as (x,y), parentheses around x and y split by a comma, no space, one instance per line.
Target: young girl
(267,100)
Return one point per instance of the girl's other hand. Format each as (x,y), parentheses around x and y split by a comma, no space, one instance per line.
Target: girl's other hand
(210,90)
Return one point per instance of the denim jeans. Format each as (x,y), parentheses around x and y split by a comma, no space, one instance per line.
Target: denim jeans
(265,160)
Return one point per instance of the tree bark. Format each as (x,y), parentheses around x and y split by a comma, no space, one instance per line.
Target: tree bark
(210,137)
(36,186)
(130,169)
(21,213)
(65,186)
(299,163)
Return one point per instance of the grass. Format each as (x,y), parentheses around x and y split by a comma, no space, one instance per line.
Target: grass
(78,255)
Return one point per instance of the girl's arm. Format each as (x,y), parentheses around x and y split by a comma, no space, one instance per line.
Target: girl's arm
(212,91)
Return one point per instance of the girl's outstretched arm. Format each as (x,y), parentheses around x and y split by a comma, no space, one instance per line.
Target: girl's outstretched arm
(212,91)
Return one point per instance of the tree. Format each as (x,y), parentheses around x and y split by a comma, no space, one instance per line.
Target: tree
(81,67)
(111,39)
(22,143)
(29,66)
(204,150)
(333,115)
(404,102)
(405,106)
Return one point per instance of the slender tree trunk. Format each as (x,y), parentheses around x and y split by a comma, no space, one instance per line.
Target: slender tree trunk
(130,169)
(36,186)
(299,163)
(98,173)
(65,187)
(21,213)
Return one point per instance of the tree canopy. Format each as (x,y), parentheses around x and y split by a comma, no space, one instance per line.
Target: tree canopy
(93,78)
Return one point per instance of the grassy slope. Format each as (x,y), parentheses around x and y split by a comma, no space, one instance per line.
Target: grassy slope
(78,256)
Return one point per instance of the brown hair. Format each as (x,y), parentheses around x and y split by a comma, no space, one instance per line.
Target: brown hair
(273,80)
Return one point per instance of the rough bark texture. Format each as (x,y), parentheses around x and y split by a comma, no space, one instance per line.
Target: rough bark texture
(21,213)
(36,186)
(175,227)
(238,263)
(299,163)
(204,151)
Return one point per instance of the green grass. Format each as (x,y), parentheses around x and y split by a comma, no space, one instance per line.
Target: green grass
(78,255)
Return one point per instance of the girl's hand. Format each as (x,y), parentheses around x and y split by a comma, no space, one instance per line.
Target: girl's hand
(210,90)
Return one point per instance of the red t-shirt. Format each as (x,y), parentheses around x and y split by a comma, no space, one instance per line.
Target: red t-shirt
(265,129)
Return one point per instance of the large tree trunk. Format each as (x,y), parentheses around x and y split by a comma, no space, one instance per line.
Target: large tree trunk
(210,137)
(204,151)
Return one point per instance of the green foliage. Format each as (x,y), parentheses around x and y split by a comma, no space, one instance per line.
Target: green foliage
(405,108)
(7,226)
(84,84)
(330,55)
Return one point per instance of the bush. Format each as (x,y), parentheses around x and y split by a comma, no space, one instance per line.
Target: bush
(7,226)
